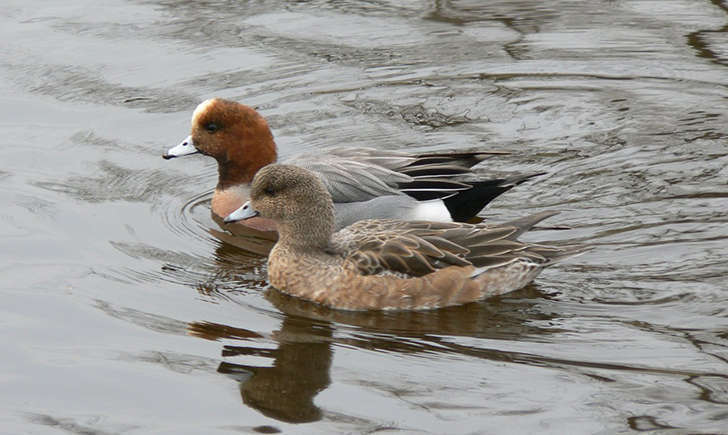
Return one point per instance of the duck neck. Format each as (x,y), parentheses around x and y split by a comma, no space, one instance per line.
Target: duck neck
(308,231)
(240,164)
(234,172)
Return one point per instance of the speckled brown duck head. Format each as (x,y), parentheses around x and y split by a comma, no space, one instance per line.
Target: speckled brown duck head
(297,201)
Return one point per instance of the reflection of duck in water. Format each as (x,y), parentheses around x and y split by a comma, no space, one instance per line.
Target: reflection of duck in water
(285,388)
(300,369)
(364,182)
(386,264)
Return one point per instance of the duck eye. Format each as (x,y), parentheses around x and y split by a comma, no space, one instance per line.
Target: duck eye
(211,127)
(269,191)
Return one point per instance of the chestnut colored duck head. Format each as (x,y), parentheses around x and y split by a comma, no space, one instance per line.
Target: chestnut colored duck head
(234,134)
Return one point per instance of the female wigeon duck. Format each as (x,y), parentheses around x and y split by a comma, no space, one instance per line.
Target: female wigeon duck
(386,264)
(364,183)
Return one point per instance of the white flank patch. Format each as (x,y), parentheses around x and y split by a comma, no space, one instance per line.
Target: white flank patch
(434,210)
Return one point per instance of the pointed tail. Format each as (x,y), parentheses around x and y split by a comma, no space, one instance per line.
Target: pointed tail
(466,204)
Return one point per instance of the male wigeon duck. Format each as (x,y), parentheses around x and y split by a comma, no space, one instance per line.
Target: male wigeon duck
(364,183)
(386,264)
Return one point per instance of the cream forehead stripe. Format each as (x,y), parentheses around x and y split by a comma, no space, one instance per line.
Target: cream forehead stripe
(200,109)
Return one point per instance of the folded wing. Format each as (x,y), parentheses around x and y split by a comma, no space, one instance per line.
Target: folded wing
(419,248)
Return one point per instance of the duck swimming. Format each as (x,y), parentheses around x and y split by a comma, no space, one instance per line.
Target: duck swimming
(386,264)
(363,182)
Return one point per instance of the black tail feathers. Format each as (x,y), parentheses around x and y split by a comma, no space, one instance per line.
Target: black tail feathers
(466,204)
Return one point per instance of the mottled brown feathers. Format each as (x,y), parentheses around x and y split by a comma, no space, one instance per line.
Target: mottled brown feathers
(388,264)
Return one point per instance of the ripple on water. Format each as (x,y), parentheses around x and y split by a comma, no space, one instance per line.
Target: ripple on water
(117,183)
(225,271)
(627,118)
(186,217)
(81,85)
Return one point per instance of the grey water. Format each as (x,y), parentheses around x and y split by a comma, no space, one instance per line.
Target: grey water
(124,310)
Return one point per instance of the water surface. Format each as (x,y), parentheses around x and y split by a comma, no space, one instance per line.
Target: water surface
(123,311)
